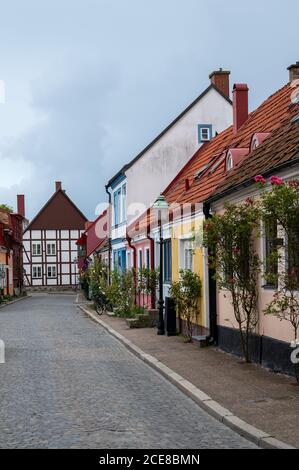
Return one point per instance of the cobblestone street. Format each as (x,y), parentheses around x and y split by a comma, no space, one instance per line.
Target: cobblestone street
(67,383)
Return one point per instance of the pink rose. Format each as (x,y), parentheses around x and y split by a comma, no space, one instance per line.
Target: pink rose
(276,181)
(260,179)
(249,201)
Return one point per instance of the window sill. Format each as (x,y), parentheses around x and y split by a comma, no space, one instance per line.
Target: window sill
(269,287)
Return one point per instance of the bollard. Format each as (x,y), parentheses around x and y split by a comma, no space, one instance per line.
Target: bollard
(2,352)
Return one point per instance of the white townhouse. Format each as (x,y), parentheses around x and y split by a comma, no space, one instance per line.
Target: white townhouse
(137,185)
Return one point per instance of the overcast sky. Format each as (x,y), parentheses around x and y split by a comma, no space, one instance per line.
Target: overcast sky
(89,83)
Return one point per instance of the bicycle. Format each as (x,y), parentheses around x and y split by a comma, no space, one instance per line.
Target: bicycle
(101,304)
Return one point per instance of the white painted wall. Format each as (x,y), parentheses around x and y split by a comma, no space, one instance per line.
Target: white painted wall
(153,172)
(64,241)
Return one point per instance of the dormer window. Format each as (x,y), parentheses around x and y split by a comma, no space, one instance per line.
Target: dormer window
(204,133)
(229,162)
(235,156)
(255,144)
(258,139)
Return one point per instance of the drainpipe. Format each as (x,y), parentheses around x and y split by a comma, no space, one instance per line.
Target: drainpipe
(152,252)
(213,337)
(129,240)
(109,237)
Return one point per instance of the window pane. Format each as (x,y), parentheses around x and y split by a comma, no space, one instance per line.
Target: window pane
(271,251)
(293,258)
(167,260)
(147,258)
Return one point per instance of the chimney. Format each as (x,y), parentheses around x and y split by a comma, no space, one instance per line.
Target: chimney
(294,71)
(58,185)
(21,204)
(220,79)
(240,105)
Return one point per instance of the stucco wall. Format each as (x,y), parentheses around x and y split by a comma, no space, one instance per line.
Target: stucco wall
(268,325)
(183,233)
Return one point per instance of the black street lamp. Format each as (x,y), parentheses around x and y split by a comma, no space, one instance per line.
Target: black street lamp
(161,206)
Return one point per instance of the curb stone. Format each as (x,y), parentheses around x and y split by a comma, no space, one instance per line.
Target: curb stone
(213,408)
(15,300)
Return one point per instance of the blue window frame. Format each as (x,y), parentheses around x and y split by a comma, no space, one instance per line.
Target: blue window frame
(167,260)
(205,133)
(119,259)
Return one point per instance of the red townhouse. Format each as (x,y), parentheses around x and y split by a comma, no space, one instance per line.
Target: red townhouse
(94,241)
(11,249)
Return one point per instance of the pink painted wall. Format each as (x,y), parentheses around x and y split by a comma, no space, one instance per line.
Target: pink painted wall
(269,325)
(143,299)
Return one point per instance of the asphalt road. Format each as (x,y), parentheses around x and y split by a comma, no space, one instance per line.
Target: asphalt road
(67,383)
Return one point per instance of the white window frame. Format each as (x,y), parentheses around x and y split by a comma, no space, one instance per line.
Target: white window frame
(51,252)
(52,267)
(229,162)
(202,138)
(35,271)
(186,245)
(123,203)
(36,252)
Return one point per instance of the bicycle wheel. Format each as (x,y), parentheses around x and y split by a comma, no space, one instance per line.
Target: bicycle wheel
(99,309)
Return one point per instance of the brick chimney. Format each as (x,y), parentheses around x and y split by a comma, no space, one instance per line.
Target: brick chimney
(294,71)
(58,185)
(240,105)
(21,204)
(220,79)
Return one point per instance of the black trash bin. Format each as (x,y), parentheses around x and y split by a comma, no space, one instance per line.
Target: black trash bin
(170,317)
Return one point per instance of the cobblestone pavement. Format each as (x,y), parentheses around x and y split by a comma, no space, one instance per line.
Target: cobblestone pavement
(67,383)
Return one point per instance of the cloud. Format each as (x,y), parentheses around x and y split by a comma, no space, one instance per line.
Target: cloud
(67,141)
(90,83)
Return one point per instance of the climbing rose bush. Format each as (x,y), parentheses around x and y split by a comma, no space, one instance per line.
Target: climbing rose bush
(281,204)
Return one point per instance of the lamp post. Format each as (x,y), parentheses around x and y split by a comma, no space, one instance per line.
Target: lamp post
(161,206)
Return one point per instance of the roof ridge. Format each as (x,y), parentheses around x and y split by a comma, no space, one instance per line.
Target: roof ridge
(62,191)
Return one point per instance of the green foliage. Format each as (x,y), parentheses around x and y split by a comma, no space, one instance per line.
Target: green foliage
(6,208)
(121,292)
(147,280)
(98,276)
(231,238)
(186,292)
(281,204)
(84,283)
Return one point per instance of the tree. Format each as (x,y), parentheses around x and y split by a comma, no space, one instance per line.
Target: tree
(281,204)
(186,292)
(6,208)
(231,238)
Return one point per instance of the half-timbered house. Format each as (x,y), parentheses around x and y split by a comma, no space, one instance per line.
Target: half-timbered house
(50,250)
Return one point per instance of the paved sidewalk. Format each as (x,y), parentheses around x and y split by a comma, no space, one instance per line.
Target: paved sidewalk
(263,399)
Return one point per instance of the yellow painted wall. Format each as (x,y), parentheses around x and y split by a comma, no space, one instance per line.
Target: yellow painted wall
(178,233)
